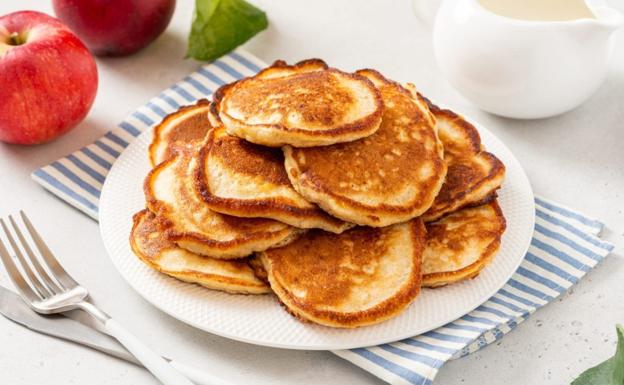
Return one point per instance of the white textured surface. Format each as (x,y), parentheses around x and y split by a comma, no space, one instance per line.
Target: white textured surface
(576,159)
(260,319)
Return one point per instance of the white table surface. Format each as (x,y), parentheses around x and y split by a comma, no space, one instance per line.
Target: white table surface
(577,159)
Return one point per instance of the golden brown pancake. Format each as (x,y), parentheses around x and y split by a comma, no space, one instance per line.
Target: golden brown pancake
(184,128)
(305,104)
(170,192)
(473,174)
(243,179)
(389,177)
(258,268)
(150,243)
(213,115)
(461,244)
(361,277)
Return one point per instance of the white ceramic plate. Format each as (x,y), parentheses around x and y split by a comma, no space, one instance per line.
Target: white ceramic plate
(260,319)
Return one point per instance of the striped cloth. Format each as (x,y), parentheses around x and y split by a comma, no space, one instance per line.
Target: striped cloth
(564,248)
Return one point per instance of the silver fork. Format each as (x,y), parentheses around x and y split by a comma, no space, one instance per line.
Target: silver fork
(58,292)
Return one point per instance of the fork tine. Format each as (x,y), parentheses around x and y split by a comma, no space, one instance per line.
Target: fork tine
(35,281)
(15,275)
(48,258)
(49,283)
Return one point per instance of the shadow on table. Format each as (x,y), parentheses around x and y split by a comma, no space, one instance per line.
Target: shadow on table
(36,156)
(238,362)
(156,67)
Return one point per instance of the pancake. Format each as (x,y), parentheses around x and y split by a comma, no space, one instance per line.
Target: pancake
(183,128)
(473,174)
(213,115)
(305,104)
(150,243)
(170,193)
(243,179)
(361,277)
(258,268)
(389,177)
(461,244)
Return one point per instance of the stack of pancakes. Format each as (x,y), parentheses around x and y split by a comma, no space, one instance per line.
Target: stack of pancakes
(342,193)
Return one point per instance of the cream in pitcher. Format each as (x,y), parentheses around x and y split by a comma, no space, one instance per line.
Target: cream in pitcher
(544,10)
(524,59)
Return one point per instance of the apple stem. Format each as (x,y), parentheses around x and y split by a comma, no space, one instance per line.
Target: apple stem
(15,39)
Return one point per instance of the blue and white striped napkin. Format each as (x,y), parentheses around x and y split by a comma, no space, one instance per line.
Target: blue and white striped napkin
(564,248)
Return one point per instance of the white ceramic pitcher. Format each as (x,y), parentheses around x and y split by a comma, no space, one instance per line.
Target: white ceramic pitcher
(521,68)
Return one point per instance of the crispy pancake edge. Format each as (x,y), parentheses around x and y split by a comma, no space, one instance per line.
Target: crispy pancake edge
(281,135)
(481,189)
(471,130)
(213,113)
(235,248)
(497,170)
(258,268)
(156,137)
(441,279)
(313,190)
(210,281)
(383,311)
(273,208)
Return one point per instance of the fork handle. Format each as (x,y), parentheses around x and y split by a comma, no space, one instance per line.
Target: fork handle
(152,361)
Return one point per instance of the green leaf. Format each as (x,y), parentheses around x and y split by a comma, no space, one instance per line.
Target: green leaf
(610,372)
(219,26)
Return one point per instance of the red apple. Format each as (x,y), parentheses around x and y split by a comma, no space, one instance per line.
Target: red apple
(48,78)
(115,27)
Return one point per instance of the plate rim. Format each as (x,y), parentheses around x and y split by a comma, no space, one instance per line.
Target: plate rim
(408,334)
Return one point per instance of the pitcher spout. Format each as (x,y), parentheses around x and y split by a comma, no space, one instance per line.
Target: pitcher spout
(608,18)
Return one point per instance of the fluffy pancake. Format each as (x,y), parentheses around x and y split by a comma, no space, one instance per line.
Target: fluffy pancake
(243,179)
(183,128)
(171,193)
(150,243)
(361,277)
(473,174)
(461,244)
(389,177)
(305,104)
